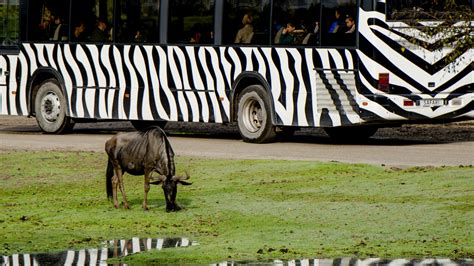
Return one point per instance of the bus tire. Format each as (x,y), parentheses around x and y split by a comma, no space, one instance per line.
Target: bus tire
(254,115)
(141,124)
(50,108)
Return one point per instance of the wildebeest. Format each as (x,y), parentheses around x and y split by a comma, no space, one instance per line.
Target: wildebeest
(142,153)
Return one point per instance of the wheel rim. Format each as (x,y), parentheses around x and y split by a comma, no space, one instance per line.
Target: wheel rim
(50,107)
(252,118)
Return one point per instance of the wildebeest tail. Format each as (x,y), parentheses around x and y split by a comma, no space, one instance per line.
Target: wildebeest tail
(108,178)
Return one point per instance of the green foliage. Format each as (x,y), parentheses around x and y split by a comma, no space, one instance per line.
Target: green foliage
(240,209)
(456,27)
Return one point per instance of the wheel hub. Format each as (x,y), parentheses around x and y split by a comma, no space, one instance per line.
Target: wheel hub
(253,116)
(50,107)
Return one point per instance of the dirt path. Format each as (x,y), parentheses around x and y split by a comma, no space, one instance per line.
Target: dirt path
(419,145)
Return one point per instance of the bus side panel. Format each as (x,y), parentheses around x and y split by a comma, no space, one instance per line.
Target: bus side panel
(12,90)
(309,87)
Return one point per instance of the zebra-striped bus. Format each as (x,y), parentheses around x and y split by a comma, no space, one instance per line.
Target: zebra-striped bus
(271,66)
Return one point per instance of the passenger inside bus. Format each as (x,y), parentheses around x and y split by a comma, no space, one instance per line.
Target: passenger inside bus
(45,25)
(350,24)
(78,32)
(99,34)
(289,35)
(59,32)
(196,33)
(338,23)
(245,34)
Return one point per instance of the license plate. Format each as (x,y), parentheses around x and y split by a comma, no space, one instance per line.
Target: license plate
(431,102)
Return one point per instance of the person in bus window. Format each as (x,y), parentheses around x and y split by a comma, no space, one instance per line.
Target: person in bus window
(139,36)
(288,35)
(338,23)
(244,35)
(196,33)
(44,28)
(58,30)
(99,34)
(350,24)
(78,33)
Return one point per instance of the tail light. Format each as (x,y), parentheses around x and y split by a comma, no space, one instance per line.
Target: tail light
(384,81)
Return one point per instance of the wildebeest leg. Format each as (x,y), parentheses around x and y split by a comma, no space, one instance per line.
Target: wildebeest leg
(119,182)
(114,190)
(146,189)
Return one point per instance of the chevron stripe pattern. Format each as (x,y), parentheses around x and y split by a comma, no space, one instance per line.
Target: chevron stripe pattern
(416,72)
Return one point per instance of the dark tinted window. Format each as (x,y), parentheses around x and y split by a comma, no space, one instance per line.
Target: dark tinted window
(137,21)
(338,23)
(92,21)
(48,20)
(9,24)
(191,21)
(429,10)
(250,17)
(296,22)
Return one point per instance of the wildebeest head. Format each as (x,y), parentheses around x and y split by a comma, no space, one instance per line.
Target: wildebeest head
(170,189)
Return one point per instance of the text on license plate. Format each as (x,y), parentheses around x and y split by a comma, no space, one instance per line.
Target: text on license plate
(430,102)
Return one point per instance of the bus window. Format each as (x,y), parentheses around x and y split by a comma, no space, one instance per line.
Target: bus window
(296,23)
(48,20)
(137,21)
(338,23)
(9,28)
(246,22)
(191,22)
(92,21)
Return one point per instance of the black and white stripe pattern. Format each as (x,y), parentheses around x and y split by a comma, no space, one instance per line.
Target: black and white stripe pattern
(111,249)
(415,72)
(360,262)
(309,86)
(180,83)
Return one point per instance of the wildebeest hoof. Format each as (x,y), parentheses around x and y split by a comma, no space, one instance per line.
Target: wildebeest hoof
(173,209)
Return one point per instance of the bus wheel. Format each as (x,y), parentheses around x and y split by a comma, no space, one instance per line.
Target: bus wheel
(253,115)
(351,134)
(140,124)
(50,108)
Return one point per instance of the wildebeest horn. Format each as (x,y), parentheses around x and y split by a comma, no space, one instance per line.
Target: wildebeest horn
(180,179)
(157,179)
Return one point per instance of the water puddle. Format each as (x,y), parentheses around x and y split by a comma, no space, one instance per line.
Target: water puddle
(355,262)
(97,256)
(121,248)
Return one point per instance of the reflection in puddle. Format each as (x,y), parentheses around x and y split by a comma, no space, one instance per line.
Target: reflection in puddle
(111,249)
(356,262)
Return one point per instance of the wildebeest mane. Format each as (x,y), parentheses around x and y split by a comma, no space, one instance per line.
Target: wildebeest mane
(152,144)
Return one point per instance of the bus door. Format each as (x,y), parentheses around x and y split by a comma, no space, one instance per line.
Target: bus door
(336,77)
(9,36)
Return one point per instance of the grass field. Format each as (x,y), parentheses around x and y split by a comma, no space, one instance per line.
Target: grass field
(241,209)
